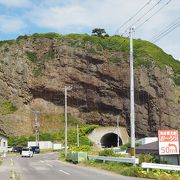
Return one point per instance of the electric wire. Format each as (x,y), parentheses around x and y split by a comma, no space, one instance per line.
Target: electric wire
(132,17)
(167,30)
(141,17)
(153,14)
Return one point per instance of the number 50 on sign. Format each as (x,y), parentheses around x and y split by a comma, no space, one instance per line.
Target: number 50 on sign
(168,142)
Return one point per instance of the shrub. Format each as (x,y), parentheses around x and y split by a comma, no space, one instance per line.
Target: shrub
(177,80)
(31,56)
(7,107)
(49,35)
(146,158)
(83,148)
(107,152)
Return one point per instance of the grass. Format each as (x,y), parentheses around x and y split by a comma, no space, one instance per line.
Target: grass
(130,170)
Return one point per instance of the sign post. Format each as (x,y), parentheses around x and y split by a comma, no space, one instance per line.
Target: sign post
(168,142)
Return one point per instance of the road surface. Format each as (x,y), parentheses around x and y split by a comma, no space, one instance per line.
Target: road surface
(48,167)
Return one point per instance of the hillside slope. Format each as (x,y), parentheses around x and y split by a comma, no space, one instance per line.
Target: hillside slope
(34,70)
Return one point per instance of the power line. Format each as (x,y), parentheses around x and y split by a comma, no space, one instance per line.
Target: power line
(132,17)
(153,15)
(141,17)
(167,30)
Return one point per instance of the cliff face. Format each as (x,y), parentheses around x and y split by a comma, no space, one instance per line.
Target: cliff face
(34,71)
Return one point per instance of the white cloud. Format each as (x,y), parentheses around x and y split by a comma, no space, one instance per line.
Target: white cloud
(87,13)
(59,17)
(15,3)
(10,24)
(79,16)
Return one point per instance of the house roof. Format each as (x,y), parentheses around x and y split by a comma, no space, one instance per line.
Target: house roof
(152,148)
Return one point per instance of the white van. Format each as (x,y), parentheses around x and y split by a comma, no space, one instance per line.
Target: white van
(27,152)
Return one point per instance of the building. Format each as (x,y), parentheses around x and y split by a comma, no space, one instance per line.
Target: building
(41,144)
(146,140)
(3,143)
(153,148)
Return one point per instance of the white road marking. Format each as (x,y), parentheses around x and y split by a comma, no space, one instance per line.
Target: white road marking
(64,172)
(50,165)
(41,161)
(12,163)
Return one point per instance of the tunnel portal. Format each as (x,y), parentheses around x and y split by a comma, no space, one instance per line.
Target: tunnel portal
(110,140)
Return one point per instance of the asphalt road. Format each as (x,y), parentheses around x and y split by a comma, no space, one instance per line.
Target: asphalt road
(48,167)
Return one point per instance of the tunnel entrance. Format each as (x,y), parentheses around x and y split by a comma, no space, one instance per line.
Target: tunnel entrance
(110,140)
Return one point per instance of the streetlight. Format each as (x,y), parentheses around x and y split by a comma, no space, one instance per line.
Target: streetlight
(66,88)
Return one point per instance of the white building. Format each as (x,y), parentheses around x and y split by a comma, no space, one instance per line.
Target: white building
(147,140)
(42,144)
(3,143)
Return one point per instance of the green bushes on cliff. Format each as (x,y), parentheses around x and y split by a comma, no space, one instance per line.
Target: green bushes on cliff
(7,107)
(146,53)
(31,56)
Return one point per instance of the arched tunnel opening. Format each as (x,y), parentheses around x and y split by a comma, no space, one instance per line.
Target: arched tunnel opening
(110,140)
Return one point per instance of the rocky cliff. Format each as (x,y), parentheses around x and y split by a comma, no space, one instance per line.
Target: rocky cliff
(35,69)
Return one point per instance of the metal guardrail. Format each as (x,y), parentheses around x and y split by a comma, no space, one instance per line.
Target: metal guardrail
(115,159)
(160,166)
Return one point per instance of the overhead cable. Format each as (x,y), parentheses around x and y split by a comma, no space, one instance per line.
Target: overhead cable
(167,30)
(141,17)
(153,15)
(132,17)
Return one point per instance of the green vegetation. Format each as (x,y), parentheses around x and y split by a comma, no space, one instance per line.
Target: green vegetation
(7,107)
(114,59)
(145,53)
(99,32)
(10,42)
(50,35)
(31,56)
(107,152)
(130,170)
(177,80)
(58,135)
(51,136)
(21,37)
(83,148)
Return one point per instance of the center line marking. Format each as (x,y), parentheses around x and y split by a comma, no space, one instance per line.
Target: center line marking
(64,172)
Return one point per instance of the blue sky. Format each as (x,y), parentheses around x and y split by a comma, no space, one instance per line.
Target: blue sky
(19,17)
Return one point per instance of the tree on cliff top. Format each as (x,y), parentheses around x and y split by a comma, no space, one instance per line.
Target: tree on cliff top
(99,32)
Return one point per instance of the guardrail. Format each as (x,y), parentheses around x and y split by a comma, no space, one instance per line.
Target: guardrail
(115,159)
(160,166)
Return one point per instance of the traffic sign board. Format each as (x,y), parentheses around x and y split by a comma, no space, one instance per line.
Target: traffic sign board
(168,142)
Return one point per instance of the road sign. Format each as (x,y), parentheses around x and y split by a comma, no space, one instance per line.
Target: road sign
(168,142)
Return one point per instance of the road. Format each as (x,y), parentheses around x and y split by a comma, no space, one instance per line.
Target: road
(48,167)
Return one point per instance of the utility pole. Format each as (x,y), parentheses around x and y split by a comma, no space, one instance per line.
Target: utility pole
(36,126)
(65,116)
(118,131)
(132,119)
(77,135)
